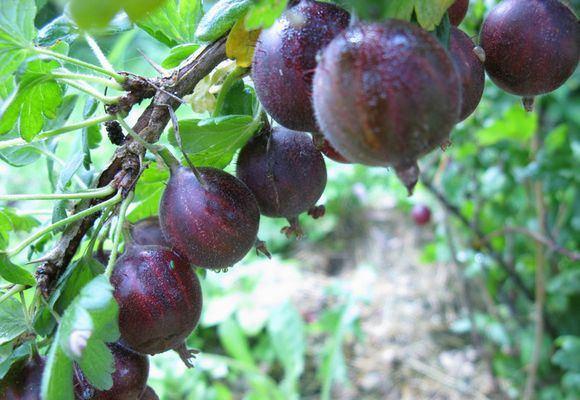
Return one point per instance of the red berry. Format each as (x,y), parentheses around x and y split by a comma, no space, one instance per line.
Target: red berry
(159,298)
(23,381)
(531,46)
(458,11)
(147,232)
(129,378)
(285,59)
(285,172)
(470,70)
(213,223)
(386,94)
(421,214)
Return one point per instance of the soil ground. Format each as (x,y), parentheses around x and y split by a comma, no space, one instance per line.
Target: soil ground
(408,350)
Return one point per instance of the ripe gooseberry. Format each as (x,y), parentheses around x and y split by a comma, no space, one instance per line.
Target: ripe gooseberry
(386,94)
(211,219)
(531,46)
(147,232)
(129,378)
(458,11)
(421,214)
(285,59)
(159,298)
(23,381)
(286,173)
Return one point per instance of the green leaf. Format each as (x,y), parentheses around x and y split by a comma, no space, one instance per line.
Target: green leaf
(568,356)
(286,332)
(15,356)
(12,320)
(137,9)
(38,97)
(221,18)
(60,29)
(97,364)
(57,381)
(214,141)
(179,53)
(16,33)
(264,13)
(240,100)
(428,12)
(13,273)
(174,23)
(19,156)
(516,125)
(148,193)
(87,324)
(235,342)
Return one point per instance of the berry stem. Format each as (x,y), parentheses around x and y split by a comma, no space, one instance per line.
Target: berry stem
(31,239)
(89,194)
(230,80)
(160,151)
(40,50)
(87,78)
(83,87)
(118,234)
(15,289)
(105,63)
(56,132)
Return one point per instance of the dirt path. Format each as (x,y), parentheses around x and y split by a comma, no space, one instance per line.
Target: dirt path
(408,351)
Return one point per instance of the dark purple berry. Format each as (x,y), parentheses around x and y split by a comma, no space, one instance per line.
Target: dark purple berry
(470,70)
(147,232)
(285,172)
(531,46)
(213,223)
(421,214)
(129,378)
(23,381)
(159,298)
(458,11)
(386,94)
(285,59)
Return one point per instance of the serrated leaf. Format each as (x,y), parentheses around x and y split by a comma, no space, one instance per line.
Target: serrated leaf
(12,320)
(69,170)
(221,18)
(174,23)
(38,97)
(16,34)
(241,43)
(213,142)
(240,100)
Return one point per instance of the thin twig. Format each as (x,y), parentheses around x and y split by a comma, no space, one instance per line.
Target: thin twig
(465,297)
(537,237)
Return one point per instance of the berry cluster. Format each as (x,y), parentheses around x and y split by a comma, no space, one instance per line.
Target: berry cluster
(378,94)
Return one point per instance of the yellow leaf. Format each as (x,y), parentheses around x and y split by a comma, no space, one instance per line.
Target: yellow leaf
(241,44)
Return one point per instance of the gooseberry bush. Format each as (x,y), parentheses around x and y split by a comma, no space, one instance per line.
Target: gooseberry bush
(148,199)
